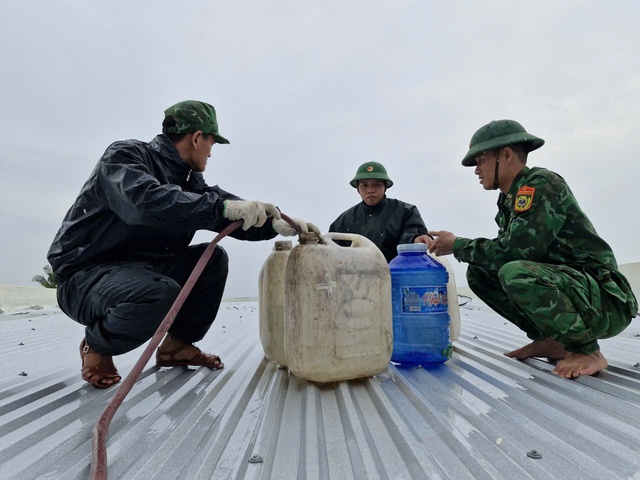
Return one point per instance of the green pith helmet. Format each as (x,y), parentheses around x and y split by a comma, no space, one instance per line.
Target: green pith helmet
(373,170)
(497,134)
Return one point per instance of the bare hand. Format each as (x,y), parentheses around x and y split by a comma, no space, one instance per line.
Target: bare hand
(426,238)
(443,243)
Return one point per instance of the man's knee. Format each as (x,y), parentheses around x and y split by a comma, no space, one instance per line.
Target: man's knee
(223,260)
(476,275)
(517,272)
(218,266)
(130,324)
(161,292)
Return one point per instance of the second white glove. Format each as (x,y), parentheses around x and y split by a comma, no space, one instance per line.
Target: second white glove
(286,230)
(253,213)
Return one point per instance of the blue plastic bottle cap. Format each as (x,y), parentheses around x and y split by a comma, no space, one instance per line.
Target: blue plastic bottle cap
(412,247)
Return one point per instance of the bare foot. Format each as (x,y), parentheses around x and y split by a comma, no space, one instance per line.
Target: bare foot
(185,351)
(576,364)
(552,349)
(173,352)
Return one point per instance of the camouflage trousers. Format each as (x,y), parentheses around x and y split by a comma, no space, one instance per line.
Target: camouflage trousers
(551,301)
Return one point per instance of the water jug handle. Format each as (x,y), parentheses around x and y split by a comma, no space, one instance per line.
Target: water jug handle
(357,241)
(441,260)
(445,263)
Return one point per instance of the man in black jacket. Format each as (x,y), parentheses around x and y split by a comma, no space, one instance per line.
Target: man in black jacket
(387,222)
(123,251)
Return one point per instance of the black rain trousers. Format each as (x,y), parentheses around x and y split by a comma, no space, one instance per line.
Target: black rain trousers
(121,304)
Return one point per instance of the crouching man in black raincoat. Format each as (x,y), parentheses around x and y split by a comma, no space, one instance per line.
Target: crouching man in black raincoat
(123,251)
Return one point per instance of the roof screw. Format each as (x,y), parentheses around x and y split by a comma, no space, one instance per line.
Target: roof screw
(475,337)
(534,454)
(637,365)
(23,374)
(255,459)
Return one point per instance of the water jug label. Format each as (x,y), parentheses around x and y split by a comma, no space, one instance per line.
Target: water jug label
(424,299)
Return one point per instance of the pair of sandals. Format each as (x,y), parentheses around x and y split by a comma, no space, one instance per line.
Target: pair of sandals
(105,374)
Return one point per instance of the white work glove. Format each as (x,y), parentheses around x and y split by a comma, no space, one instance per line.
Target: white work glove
(253,213)
(286,230)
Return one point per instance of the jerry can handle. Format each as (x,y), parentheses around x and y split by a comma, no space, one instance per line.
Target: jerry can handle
(357,241)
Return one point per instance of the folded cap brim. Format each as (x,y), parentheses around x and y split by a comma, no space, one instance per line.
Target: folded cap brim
(220,138)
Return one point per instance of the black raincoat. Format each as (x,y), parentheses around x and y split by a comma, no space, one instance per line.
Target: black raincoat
(142,202)
(388,224)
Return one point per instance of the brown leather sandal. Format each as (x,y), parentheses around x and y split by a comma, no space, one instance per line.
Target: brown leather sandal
(97,375)
(200,359)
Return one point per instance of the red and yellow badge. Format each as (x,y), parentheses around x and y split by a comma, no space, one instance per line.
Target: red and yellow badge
(524,199)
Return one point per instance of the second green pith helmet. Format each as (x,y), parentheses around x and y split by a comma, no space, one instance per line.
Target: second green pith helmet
(369,170)
(498,134)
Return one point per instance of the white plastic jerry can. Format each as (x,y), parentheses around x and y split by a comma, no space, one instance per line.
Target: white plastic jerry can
(452,294)
(338,323)
(271,302)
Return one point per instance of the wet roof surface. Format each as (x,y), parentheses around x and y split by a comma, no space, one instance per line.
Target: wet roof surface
(478,416)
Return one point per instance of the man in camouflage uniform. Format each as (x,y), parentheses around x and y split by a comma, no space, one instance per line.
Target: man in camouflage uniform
(123,252)
(547,271)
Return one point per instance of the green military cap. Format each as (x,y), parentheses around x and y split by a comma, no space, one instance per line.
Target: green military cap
(373,170)
(497,134)
(191,116)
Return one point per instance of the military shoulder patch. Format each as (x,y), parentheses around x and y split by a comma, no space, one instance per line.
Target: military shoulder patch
(524,199)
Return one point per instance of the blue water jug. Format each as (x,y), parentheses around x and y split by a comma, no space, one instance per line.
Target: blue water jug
(420,307)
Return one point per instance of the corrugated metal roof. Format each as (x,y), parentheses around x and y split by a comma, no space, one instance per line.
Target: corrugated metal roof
(474,417)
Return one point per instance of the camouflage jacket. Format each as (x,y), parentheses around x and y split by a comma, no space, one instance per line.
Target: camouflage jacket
(540,220)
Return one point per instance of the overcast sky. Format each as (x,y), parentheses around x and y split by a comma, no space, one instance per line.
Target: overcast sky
(306,92)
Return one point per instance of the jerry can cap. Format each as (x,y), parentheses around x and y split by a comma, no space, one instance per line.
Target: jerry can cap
(283,245)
